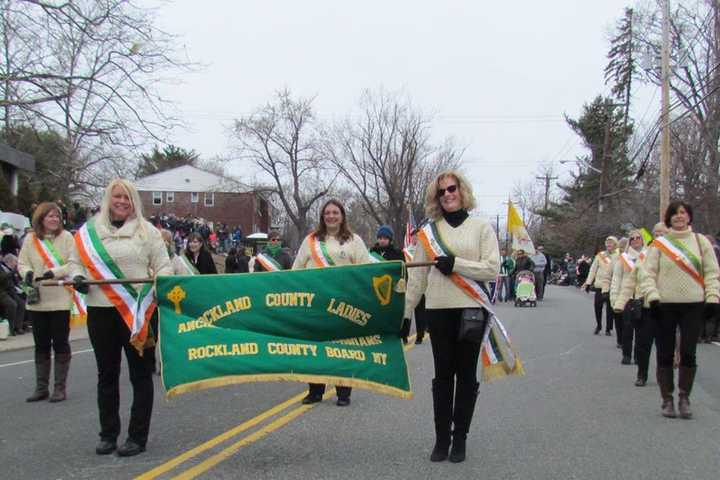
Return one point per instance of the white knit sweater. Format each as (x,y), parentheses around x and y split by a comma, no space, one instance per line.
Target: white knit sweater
(51,298)
(351,252)
(475,247)
(661,279)
(620,277)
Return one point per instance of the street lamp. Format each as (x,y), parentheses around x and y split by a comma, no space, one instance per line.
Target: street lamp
(582,164)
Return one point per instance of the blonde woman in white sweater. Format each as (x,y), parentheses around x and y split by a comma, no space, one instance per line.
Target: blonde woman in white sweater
(644,326)
(119,243)
(628,315)
(599,280)
(332,243)
(471,250)
(680,280)
(44,255)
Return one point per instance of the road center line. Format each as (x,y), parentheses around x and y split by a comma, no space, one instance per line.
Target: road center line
(23,362)
(279,422)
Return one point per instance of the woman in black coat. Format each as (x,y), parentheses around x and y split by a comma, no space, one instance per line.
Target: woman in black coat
(198,254)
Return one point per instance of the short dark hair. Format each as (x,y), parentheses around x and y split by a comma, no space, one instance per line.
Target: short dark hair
(673,208)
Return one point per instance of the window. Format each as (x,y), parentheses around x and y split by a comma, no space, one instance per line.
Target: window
(210,199)
(194,197)
(169,197)
(157,198)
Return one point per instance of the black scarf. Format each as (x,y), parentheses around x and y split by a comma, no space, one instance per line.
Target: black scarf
(456,218)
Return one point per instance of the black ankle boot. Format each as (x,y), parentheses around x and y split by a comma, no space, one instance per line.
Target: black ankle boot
(457,454)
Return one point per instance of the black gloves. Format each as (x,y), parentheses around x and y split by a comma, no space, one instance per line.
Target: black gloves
(445,264)
(80,285)
(47,275)
(29,278)
(405,330)
(655,309)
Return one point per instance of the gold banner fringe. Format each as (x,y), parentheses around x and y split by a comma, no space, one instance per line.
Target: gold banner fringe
(78,321)
(287,377)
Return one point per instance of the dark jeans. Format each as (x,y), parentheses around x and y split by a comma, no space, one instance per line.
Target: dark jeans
(13,307)
(687,316)
(599,303)
(421,319)
(319,389)
(109,337)
(539,285)
(504,292)
(50,331)
(644,337)
(454,360)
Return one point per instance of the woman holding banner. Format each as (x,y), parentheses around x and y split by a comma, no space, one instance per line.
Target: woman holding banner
(119,243)
(465,252)
(273,257)
(46,252)
(680,279)
(331,244)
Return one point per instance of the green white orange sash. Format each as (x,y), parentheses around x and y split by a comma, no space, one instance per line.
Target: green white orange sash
(319,252)
(408,254)
(52,259)
(627,262)
(189,267)
(268,262)
(498,356)
(376,257)
(682,257)
(604,258)
(135,307)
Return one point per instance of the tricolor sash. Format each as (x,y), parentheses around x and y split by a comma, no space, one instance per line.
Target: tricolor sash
(604,258)
(52,259)
(189,267)
(135,307)
(408,254)
(268,262)
(318,250)
(686,260)
(498,356)
(627,262)
(376,257)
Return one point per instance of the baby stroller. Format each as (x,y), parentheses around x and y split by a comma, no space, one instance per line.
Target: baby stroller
(525,289)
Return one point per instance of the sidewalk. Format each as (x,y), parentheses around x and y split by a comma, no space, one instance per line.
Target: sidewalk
(21,342)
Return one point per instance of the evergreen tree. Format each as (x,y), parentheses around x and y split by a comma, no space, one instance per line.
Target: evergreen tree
(165,159)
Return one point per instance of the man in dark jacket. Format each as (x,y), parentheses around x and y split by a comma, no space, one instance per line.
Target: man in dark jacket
(273,257)
(12,305)
(384,246)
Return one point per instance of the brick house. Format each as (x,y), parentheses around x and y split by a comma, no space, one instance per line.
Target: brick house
(191,190)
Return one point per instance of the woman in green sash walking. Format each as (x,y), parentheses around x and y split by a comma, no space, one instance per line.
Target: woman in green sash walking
(465,252)
(119,243)
(44,255)
(332,243)
(680,281)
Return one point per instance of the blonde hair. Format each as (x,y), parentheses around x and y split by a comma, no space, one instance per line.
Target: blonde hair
(433,210)
(166,236)
(660,226)
(133,195)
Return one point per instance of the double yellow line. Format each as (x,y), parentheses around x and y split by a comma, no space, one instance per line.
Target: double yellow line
(230,450)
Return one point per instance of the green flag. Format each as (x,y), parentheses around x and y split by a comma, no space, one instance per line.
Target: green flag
(336,325)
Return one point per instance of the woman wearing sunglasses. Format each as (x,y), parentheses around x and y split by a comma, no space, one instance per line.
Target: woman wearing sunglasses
(680,279)
(273,257)
(470,249)
(629,312)
(643,326)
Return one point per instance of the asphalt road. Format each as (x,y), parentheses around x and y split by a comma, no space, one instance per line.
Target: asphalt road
(576,414)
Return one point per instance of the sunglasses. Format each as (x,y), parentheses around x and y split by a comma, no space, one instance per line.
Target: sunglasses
(274,239)
(635,238)
(450,189)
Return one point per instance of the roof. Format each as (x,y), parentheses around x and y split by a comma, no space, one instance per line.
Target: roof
(16,158)
(189,179)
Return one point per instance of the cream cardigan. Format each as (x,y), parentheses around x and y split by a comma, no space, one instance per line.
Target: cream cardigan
(51,298)
(601,272)
(477,256)
(351,252)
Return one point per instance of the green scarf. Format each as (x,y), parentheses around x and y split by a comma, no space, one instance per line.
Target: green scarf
(273,249)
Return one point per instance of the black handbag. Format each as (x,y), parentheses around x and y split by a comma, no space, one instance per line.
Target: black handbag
(473,322)
(634,309)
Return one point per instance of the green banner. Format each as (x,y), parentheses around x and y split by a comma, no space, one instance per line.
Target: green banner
(335,325)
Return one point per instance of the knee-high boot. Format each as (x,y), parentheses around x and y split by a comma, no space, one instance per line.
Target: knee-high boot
(465,399)
(42,378)
(686,378)
(62,366)
(666,383)
(442,390)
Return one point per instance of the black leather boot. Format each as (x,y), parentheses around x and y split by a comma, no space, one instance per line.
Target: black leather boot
(442,390)
(666,383)
(62,366)
(686,378)
(465,399)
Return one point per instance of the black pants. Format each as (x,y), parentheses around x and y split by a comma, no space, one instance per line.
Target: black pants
(628,333)
(539,285)
(421,319)
(687,316)
(51,330)
(644,335)
(319,389)
(109,337)
(13,307)
(619,322)
(599,303)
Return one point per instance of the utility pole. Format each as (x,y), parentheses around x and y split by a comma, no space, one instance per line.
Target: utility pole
(665,146)
(547,179)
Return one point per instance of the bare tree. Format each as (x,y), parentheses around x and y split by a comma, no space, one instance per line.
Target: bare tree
(283,139)
(387,158)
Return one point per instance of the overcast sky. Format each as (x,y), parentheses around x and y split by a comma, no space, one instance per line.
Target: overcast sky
(497,76)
